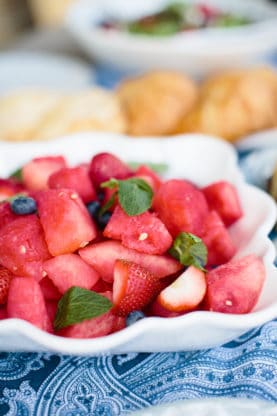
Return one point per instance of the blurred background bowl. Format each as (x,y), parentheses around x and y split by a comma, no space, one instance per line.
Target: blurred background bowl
(197,52)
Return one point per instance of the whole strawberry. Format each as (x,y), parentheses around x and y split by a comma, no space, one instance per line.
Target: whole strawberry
(5,278)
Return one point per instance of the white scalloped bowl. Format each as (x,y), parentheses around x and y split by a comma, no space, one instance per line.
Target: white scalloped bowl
(203,160)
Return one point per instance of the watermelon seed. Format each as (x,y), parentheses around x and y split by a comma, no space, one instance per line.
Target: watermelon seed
(74,196)
(143,236)
(22,250)
(228,303)
(84,244)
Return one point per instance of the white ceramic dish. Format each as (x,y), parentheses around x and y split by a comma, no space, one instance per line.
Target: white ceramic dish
(201,159)
(198,52)
(212,407)
(21,69)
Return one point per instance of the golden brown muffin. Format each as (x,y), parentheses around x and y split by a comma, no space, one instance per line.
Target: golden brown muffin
(43,114)
(95,109)
(21,112)
(234,104)
(155,103)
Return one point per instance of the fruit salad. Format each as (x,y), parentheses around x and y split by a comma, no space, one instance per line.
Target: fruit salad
(87,250)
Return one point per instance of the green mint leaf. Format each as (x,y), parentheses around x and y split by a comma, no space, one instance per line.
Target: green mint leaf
(135,196)
(108,204)
(156,167)
(78,304)
(17,175)
(111,184)
(189,250)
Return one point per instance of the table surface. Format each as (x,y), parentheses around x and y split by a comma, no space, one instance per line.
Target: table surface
(47,384)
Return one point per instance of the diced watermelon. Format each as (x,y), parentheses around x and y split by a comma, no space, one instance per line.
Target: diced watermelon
(223,197)
(104,166)
(218,240)
(3,313)
(235,287)
(66,222)
(26,301)
(76,179)
(181,207)
(102,256)
(22,247)
(6,214)
(156,309)
(147,174)
(51,307)
(49,290)
(102,286)
(92,328)
(35,174)
(145,232)
(69,270)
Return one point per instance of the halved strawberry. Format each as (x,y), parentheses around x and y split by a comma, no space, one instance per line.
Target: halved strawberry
(35,174)
(186,292)
(134,287)
(74,178)
(145,232)
(104,166)
(156,309)
(9,187)
(5,279)
(102,256)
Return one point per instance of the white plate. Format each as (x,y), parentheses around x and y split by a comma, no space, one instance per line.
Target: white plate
(33,69)
(212,407)
(203,160)
(198,52)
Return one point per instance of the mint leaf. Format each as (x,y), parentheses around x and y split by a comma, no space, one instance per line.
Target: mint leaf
(77,305)
(135,196)
(17,175)
(189,250)
(156,167)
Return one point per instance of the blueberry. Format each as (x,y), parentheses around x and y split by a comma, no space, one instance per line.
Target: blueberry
(93,208)
(101,196)
(134,317)
(102,220)
(23,205)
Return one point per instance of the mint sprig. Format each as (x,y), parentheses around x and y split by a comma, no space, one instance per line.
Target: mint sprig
(17,175)
(78,304)
(134,194)
(189,250)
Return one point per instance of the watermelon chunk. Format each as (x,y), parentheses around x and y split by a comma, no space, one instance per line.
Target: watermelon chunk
(69,270)
(3,312)
(6,214)
(235,287)
(66,222)
(223,197)
(102,256)
(35,174)
(145,232)
(49,290)
(10,187)
(218,240)
(76,179)
(26,301)
(104,166)
(181,207)
(23,248)
(91,328)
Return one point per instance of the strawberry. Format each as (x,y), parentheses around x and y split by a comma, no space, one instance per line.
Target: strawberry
(9,187)
(134,287)
(104,166)
(5,278)
(185,293)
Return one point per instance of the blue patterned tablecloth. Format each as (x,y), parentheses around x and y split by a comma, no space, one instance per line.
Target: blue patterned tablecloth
(40,384)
